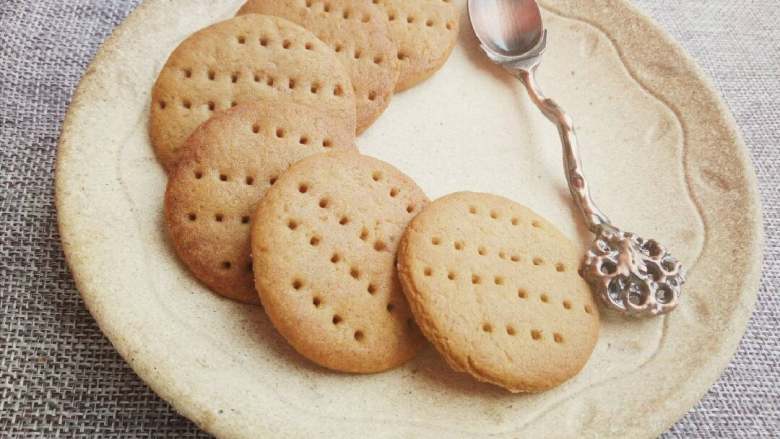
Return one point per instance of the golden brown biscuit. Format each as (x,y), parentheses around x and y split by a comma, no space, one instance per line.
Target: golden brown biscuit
(324,242)
(360,35)
(229,163)
(495,288)
(425,31)
(243,59)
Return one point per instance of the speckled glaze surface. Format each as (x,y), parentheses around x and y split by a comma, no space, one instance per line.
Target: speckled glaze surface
(643,111)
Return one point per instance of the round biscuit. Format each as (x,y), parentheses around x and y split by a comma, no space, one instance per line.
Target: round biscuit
(245,58)
(228,165)
(359,33)
(495,288)
(425,32)
(324,243)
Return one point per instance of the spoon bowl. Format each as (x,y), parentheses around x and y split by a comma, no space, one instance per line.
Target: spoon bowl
(509,28)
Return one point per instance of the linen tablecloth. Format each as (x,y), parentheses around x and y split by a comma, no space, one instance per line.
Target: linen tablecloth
(60,377)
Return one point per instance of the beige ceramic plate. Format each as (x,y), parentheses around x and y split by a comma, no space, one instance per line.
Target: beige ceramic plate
(664,157)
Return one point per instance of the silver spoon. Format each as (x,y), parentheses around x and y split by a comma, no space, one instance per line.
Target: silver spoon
(632,275)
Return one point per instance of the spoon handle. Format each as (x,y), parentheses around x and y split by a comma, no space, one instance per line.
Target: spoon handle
(578,186)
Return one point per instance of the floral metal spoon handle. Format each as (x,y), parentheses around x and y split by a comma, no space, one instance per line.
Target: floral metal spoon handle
(629,273)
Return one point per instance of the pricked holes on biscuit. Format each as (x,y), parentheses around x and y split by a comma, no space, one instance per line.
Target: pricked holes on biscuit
(410,19)
(394,192)
(402,56)
(223,177)
(487,327)
(482,251)
(436,240)
(272,180)
(536,334)
(359,335)
(536,224)
(308,46)
(451,275)
(376,176)
(226,265)
(371,289)
(410,208)
(560,267)
(249,180)
(241,39)
(558,337)
(186,104)
(450,25)
(364,234)
(324,203)
(380,246)
(336,319)
(245,219)
(234,77)
(286,44)
(344,220)
(192,216)
(515,221)
(498,280)
(390,307)
(338,90)
(475,279)
(264,41)
(280,133)
(459,245)
(198,174)
(378,60)
(335,258)
(354,272)
(514,258)
(303,188)
(327,143)
(567,304)
(588,309)
(544,298)
(510,330)
(212,75)
(316,301)
(372,95)
(521,293)
(473,210)
(314,241)
(292,224)
(494,214)
(428,272)
(219,217)
(297,284)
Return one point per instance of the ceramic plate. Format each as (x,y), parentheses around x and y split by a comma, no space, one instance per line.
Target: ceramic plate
(664,159)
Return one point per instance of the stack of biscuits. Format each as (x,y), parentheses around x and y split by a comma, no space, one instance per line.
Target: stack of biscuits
(268,200)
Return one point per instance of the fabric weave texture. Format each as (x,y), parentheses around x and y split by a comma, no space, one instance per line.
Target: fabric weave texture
(60,377)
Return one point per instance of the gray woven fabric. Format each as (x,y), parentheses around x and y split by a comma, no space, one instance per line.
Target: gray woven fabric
(59,377)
